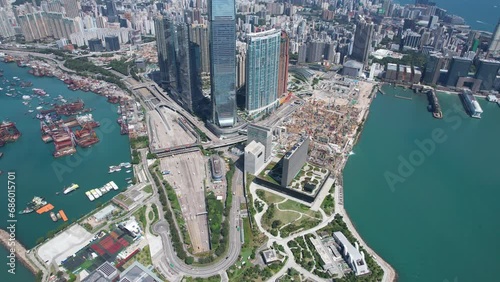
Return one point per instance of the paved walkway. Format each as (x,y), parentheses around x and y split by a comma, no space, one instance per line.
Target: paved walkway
(389,273)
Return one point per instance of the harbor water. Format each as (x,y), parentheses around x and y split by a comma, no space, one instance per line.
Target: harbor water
(39,174)
(423,192)
(478,14)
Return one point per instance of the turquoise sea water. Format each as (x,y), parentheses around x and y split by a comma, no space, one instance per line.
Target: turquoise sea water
(479,14)
(21,274)
(435,217)
(39,174)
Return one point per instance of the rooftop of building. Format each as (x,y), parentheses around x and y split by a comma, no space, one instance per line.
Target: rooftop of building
(353,252)
(254,147)
(100,215)
(353,64)
(295,147)
(137,272)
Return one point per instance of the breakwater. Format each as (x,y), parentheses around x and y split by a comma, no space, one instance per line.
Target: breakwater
(20,250)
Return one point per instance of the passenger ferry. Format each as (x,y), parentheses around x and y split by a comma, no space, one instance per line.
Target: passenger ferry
(471,104)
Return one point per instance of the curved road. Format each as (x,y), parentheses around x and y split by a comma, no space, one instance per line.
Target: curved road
(169,256)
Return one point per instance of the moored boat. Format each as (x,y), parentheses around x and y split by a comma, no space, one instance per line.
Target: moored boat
(71,188)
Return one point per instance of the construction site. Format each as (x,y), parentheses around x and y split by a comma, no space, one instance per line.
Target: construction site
(331,116)
(8,133)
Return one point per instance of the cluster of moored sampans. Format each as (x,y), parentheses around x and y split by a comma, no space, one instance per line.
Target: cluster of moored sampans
(115,168)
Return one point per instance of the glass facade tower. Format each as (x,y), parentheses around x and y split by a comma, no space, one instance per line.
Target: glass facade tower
(262,71)
(223,61)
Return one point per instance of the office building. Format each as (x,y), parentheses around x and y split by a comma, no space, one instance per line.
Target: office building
(362,41)
(262,71)
(459,67)
(179,62)
(223,62)
(254,157)
(112,43)
(487,71)
(435,63)
(294,160)
(283,64)
(112,13)
(95,45)
(263,135)
(494,48)
(351,254)
(411,39)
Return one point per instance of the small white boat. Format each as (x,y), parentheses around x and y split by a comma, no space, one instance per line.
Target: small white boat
(26,97)
(113,184)
(492,98)
(98,191)
(128,171)
(94,193)
(89,195)
(39,107)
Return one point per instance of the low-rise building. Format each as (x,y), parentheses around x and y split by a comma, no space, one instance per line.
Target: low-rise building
(351,254)
(104,273)
(269,256)
(137,272)
(104,213)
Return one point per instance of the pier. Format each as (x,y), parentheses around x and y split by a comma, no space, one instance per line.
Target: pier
(434,104)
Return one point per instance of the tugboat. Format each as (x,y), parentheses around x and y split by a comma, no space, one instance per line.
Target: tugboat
(34,204)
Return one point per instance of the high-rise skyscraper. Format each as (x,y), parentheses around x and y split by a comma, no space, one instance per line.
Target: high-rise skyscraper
(494,48)
(283,64)
(362,41)
(178,59)
(459,67)
(223,61)
(199,35)
(262,71)
(487,71)
(111,11)
(6,29)
(433,68)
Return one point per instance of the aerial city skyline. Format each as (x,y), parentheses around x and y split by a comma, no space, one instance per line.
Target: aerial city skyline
(236,140)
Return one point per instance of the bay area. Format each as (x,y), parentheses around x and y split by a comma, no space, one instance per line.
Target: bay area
(478,14)
(423,192)
(37,173)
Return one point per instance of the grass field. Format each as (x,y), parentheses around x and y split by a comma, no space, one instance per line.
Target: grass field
(270,198)
(291,205)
